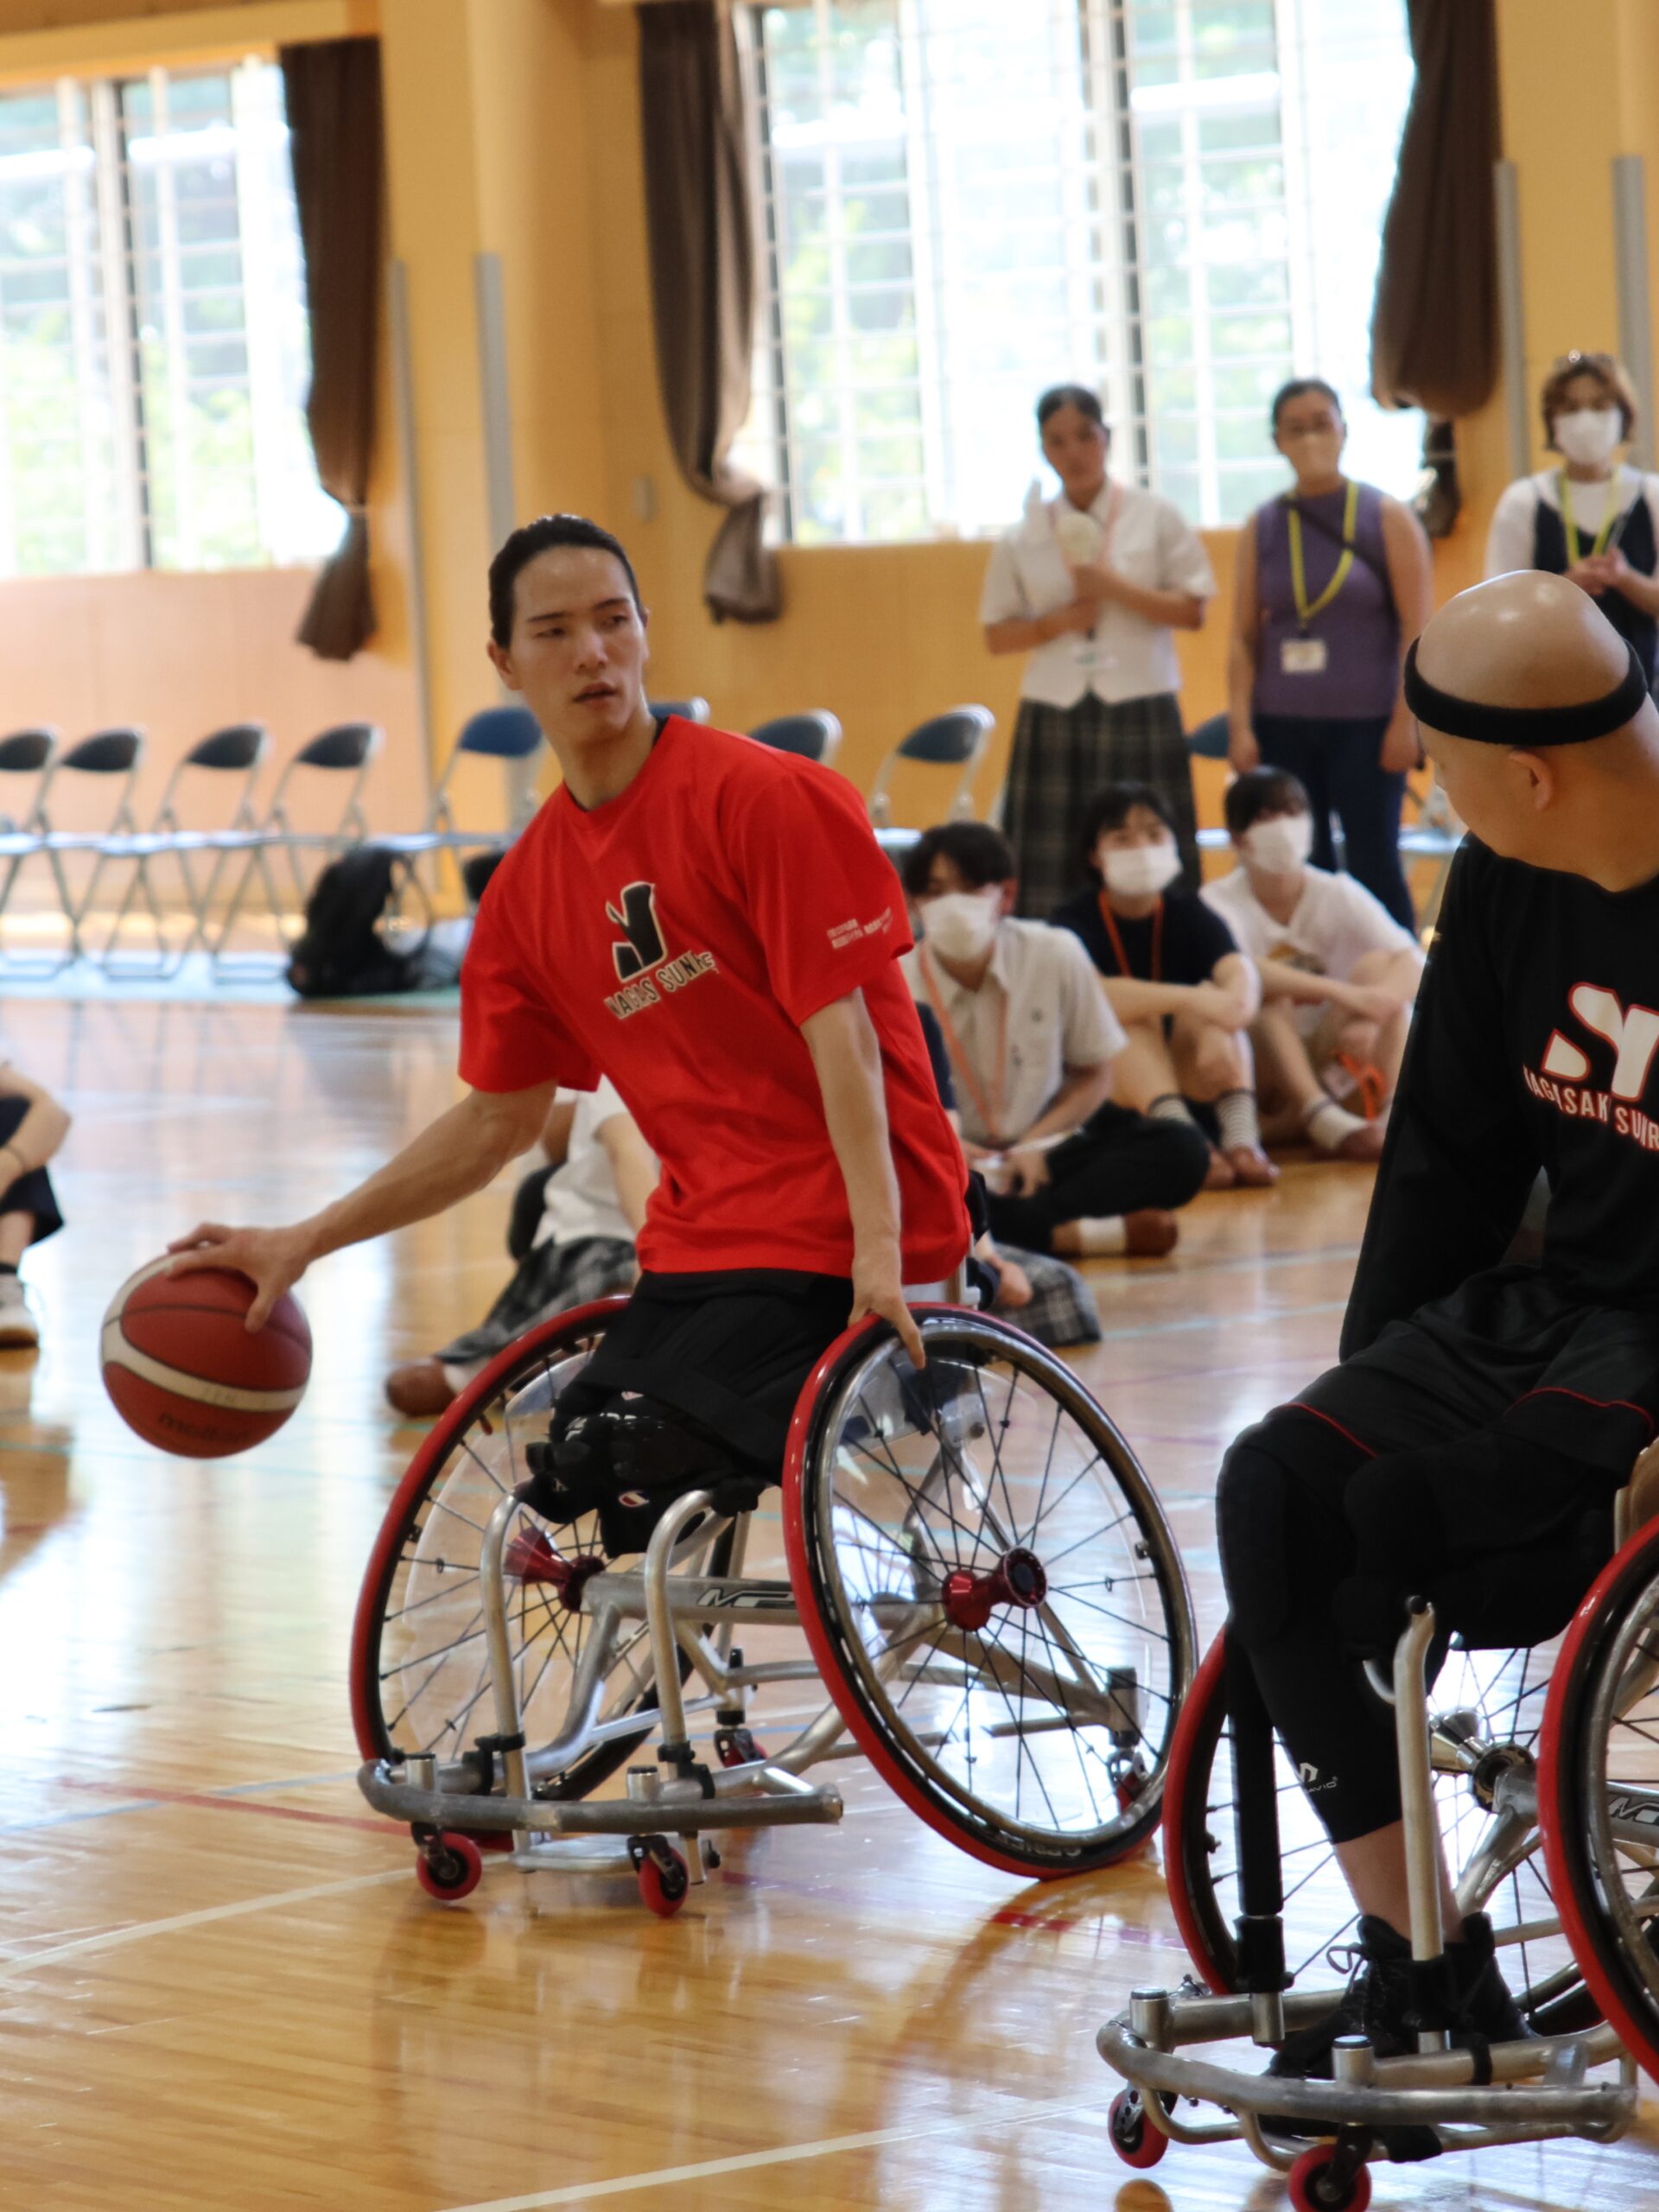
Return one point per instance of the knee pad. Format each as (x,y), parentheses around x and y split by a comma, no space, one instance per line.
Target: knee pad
(626,1462)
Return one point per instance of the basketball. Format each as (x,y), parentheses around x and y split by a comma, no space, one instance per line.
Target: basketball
(183,1372)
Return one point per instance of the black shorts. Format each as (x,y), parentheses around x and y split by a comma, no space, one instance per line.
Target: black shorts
(1513,1350)
(31,1193)
(731,1350)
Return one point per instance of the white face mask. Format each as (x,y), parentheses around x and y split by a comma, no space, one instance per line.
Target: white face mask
(1280,846)
(1139,871)
(1589,436)
(960,924)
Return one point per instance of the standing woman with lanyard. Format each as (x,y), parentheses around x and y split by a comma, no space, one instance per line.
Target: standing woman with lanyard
(1333,584)
(1588,518)
(1092,585)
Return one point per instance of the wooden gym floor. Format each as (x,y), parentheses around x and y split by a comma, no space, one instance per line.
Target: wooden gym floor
(219,1986)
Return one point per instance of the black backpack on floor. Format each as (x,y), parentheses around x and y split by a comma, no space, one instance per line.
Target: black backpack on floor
(342,952)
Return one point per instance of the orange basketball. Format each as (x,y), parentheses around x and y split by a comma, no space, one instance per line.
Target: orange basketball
(183,1372)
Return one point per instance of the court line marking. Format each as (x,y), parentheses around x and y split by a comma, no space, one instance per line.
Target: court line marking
(19,1965)
(786,2154)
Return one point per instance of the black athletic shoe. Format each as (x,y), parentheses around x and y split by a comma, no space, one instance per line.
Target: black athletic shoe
(1376,2004)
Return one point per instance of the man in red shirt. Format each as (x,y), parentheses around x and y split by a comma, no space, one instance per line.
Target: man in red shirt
(711,924)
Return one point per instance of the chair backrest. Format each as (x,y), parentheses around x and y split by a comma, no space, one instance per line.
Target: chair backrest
(106,752)
(815,735)
(26,751)
(347,746)
(689,710)
(240,745)
(1209,740)
(501,734)
(956,739)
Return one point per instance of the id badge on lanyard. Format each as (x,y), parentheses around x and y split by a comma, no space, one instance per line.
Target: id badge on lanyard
(1303,655)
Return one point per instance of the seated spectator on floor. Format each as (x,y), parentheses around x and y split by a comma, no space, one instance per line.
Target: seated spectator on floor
(32,1127)
(1051,1300)
(1338,974)
(572,1232)
(1174,978)
(1032,1045)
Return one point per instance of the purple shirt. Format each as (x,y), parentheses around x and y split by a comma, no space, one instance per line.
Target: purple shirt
(1359,629)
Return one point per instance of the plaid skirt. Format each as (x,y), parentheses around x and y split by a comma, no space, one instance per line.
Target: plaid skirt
(1062,756)
(550,1279)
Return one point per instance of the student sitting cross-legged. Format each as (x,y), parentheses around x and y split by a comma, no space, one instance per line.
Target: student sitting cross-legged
(1174,978)
(1338,974)
(1032,1047)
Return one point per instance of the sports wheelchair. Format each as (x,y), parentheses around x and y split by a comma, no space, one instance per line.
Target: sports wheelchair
(1540,1768)
(987,1583)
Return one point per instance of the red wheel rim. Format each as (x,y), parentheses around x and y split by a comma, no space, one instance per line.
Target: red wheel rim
(1555,1791)
(1194,1725)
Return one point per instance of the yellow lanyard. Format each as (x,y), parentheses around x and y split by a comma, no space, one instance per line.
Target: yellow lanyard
(1603,535)
(1305,613)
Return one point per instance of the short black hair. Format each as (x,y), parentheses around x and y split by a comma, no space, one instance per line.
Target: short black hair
(1110,810)
(1070,394)
(533,537)
(1298,388)
(1263,790)
(982,855)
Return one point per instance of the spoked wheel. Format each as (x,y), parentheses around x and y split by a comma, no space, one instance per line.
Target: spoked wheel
(1487,1709)
(420,1669)
(1599,1791)
(991,1590)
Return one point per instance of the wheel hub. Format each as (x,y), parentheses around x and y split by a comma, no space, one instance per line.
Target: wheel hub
(531,1558)
(970,1599)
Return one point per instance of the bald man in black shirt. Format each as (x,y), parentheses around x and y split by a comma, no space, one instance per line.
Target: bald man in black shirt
(1470,1445)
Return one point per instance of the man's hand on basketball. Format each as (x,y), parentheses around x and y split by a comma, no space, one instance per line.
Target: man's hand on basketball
(877,1289)
(273,1259)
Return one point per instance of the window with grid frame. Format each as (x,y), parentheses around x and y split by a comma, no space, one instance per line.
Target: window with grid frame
(1177,202)
(153,347)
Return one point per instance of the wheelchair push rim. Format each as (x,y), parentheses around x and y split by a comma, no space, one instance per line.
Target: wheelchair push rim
(419,1671)
(990,1590)
(1599,1789)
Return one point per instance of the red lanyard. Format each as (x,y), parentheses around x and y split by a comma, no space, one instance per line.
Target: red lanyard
(1110,920)
(989,1121)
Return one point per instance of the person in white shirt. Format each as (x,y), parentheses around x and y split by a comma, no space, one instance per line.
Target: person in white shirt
(1338,974)
(572,1233)
(1589,519)
(1031,1041)
(32,1127)
(1092,585)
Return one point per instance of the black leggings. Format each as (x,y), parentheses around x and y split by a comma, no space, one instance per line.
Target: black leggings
(1118,1162)
(1322,1541)
(31,1193)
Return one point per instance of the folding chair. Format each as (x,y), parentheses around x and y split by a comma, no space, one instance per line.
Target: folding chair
(497,734)
(236,750)
(349,749)
(116,753)
(25,753)
(814,736)
(689,710)
(957,739)
(1209,741)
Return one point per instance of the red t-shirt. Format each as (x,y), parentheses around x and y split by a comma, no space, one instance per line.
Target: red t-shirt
(675,939)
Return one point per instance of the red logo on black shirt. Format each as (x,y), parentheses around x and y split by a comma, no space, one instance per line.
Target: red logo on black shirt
(1633,1033)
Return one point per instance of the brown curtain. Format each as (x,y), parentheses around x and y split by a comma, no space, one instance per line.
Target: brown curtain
(333,91)
(703,281)
(1434,336)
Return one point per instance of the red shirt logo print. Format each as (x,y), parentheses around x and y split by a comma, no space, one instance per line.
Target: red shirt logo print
(640,955)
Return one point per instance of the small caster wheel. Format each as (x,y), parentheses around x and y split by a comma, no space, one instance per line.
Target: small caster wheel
(1135,2140)
(663,1879)
(449,1868)
(736,1747)
(1313,2188)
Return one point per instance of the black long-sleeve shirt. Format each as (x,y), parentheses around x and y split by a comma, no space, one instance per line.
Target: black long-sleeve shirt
(1535,1045)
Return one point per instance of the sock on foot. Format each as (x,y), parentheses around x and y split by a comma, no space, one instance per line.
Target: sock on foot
(1326,1124)
(1236,1115)
(1101,1235)
(1171,1107)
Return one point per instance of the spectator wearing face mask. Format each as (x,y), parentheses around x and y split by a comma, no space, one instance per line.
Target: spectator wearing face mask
(1032,1048)
(1591,518)
(1332,584)
(1338,974)
(1175,980)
